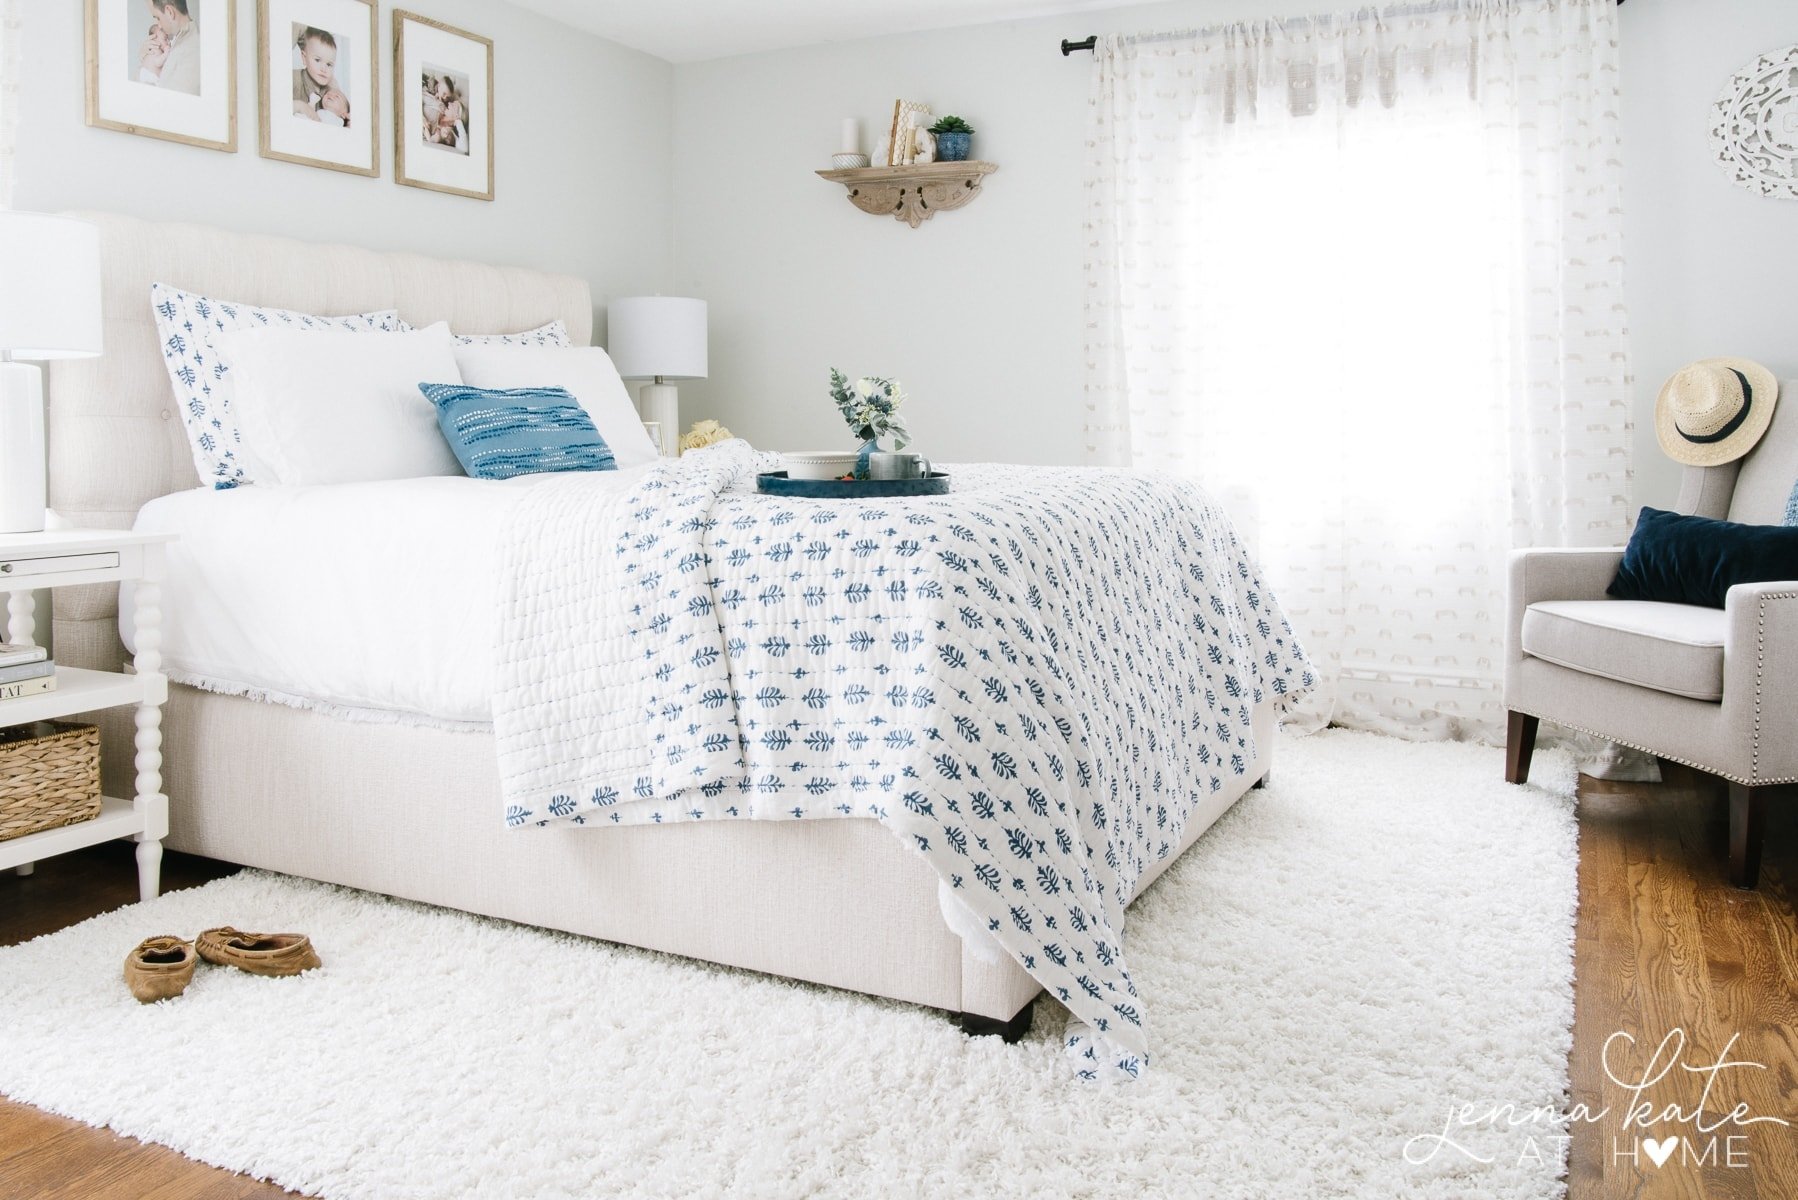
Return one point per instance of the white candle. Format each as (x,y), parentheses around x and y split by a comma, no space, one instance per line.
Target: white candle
(852,136)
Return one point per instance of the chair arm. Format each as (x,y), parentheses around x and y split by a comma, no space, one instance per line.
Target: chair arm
(1760,673)
(1571,573)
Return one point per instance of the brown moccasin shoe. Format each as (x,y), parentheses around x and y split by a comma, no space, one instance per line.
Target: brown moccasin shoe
(258,953)
(159,967)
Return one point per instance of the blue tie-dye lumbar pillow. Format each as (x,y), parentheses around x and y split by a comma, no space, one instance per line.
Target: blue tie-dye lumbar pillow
(501,432)
(1792,506)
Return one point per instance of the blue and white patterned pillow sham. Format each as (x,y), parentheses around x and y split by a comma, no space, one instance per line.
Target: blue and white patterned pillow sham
(498,433)
(553,334)
(1792,506)
(186,324)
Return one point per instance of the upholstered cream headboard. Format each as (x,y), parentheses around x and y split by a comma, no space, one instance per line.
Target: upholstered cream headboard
(115,440)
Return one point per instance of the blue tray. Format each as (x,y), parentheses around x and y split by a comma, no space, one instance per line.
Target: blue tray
(776,483)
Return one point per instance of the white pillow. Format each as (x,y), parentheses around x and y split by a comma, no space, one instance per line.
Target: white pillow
(187,325)
(339,407)
(553,334)
(588,375)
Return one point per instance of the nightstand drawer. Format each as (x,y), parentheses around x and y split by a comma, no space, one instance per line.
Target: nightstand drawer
(18,568)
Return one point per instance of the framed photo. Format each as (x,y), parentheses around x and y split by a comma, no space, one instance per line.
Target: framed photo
(442,107)
(164,69)
(317,65)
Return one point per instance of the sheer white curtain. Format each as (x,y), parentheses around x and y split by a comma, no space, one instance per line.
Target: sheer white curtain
(1360,276)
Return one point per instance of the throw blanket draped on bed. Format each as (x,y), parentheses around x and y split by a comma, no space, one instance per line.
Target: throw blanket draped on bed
(1031,680)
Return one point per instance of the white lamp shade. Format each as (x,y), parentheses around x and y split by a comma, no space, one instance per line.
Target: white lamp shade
(657,336)
(49,286)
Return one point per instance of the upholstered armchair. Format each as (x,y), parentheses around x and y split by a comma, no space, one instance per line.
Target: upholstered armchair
(1716,690)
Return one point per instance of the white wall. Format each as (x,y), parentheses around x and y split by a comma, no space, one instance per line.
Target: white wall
(1713,268)
(583,136)
(979,310)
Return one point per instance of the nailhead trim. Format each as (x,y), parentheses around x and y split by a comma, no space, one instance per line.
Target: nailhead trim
(1760,672)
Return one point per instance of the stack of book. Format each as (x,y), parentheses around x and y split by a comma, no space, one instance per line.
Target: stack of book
(25,671)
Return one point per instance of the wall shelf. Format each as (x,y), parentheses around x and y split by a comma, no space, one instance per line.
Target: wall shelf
(912,194)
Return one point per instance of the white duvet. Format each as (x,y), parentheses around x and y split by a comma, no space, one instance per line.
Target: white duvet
(370,600)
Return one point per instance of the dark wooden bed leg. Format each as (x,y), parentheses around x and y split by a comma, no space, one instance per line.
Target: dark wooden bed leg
(1013,1031)
(1747,822)
(1266,778)
(1520,746)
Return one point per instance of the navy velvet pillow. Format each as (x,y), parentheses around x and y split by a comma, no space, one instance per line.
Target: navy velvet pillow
(1695,560)
(497,434)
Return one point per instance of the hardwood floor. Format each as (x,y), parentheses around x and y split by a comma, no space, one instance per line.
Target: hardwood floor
(1663,943)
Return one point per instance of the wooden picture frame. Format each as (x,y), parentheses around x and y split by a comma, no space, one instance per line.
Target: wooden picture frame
(443,109)
(129,84)
(329,49)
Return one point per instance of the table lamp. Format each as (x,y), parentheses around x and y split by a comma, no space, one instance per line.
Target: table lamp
(49,308)
(659,338)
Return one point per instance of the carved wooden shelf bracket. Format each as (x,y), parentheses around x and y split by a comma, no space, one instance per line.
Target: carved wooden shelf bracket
(912,194)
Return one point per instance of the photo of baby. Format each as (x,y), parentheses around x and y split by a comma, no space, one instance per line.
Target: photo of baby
(320,58)
(444,96)
(165,45)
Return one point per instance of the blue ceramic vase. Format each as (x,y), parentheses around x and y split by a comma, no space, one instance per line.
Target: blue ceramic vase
(953,147)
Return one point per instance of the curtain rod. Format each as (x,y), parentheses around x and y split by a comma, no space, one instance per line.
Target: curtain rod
(1091,42)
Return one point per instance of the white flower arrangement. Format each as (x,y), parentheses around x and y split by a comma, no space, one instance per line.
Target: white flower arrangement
(870,406)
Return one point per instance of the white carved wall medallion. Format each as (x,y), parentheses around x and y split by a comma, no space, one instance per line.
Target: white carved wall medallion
(1754,128)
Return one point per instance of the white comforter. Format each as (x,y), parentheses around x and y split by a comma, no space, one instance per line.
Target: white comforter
(373,601)
(1031,681)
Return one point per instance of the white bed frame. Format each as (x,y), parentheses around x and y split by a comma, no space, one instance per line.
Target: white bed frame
(837,902)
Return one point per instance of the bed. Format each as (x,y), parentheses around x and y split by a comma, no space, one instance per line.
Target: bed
(292,789)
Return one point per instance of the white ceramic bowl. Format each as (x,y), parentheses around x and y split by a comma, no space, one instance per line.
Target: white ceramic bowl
(848,161)
(819,464)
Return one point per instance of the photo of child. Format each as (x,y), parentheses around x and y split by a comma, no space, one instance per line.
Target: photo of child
(165,48)
(320,58)
(444,96)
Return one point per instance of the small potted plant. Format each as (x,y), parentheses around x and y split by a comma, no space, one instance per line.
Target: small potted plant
(954,137)
(870,407)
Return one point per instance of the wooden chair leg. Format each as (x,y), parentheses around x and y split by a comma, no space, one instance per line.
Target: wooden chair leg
(1747,823)
(1520,746)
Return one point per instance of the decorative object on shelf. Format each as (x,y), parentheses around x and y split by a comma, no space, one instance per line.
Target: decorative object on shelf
(849,149)
(49,308)
(316,61)
(703,434)
(49,776)
(870,406)
(820,464)
(1754,131)
(923,147)
(954,138)
(913,194)
(658,338)
(781,483)
(165,71)
(908,115)
(442,107)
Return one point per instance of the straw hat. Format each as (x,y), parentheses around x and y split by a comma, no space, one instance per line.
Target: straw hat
(1713,411)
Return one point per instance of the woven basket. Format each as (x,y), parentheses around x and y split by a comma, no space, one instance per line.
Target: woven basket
(49,776)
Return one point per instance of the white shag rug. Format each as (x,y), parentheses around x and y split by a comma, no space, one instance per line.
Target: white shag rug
(1384,932)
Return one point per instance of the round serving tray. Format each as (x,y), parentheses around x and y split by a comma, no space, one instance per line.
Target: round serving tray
(776,483)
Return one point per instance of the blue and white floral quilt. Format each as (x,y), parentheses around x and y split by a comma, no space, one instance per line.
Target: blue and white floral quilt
(1032,681)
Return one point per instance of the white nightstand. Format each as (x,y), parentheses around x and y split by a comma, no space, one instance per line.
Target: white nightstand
(61,558)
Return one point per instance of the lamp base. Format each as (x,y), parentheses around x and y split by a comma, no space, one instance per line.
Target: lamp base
(21,448)
(661,402)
